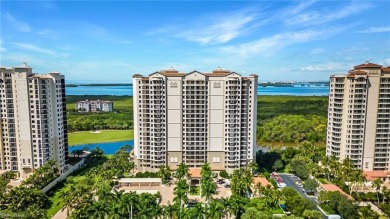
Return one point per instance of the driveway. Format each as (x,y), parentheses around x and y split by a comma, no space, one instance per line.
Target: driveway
(289,180)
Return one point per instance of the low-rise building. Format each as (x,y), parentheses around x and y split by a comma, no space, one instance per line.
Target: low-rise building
(94,106)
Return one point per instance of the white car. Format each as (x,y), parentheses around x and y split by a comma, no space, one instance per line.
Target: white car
(281,185)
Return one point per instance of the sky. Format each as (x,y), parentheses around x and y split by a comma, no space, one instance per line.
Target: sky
(109,41)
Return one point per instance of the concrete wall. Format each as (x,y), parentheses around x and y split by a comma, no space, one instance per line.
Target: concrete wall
(63,176)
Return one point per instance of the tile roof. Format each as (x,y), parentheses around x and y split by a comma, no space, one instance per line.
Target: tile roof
(194,173)
(262,180)
(173,74)
(386,69)
(368,65)
(334,188)
(372,175)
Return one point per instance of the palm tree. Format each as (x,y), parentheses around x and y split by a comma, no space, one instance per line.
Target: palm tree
(97,152)
(127,202)
(169,211)
(182,170)
(257,189)
(215,210)
(253,166)
(237,204)
(385,194)
(181,192)
(226,206)
(208,188)
(377,183)
(99,210)
(164,173)
(198,211)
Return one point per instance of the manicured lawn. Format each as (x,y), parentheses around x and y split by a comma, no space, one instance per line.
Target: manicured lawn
(86,137)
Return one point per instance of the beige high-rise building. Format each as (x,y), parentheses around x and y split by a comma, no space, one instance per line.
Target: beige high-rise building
(359,117)
(194,118)
(33,120)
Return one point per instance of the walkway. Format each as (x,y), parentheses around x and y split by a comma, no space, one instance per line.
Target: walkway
(373,207)
(61,214)
(286,179)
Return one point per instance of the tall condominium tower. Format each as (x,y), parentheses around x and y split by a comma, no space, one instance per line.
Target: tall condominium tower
(359,117)
(33,120)
(194,118)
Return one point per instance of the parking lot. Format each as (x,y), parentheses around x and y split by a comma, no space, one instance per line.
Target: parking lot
(294,182)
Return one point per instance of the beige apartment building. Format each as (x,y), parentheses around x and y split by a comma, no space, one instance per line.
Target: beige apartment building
(359,117)
(94,106)
(33,120)
(194,118)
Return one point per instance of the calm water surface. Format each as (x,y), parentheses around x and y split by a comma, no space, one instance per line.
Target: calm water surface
(296,90)
(108,148)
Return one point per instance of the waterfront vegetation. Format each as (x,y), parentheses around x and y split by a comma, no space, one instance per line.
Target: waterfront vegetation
(281,120)
(291,120)
(121,118)
(88,137)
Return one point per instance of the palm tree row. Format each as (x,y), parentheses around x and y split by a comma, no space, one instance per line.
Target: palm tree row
(343,172)
(42,176)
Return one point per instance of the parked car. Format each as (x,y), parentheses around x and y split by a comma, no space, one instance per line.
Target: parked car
(220,181)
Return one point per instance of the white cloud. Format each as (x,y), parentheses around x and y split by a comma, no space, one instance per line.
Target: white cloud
(375,30)
(322,17)
(21,26)
(215,29)
(317,51)
(325,67)
(49,33)
(276,42)
(34,48)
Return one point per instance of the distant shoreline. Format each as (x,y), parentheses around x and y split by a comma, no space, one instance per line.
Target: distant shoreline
(260,84)
(100,84)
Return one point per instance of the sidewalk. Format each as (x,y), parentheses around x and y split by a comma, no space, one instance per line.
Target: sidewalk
(373,207)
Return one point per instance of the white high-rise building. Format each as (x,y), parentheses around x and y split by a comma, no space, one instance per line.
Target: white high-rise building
(359,117)
(33,120)
(194,118)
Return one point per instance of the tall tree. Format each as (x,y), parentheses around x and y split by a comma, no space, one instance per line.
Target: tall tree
(377,183)
(182,170)
(207,188)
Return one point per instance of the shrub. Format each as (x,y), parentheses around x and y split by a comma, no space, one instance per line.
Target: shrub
(224,174)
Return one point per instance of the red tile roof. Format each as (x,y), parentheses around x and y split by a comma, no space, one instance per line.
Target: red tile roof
(262,180)
(368,65)
(194,173)
(334,188)
(386,69)
(372,175)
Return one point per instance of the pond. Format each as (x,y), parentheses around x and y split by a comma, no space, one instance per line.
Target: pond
(108,148)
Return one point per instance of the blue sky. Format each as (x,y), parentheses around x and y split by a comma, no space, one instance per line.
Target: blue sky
(111,40)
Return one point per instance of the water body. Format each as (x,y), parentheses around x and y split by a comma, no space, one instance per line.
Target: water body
(295,90)
(108,148)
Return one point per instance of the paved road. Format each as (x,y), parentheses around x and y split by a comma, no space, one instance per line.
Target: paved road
(290,183)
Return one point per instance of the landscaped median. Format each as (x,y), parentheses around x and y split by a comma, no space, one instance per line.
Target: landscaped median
(101,136)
